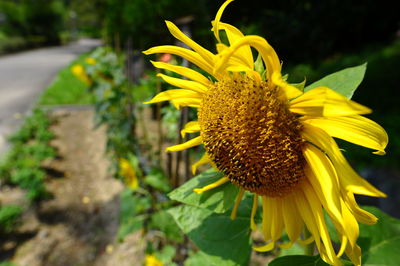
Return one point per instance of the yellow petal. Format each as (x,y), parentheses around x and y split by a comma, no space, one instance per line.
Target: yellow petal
(324,184)
(268,247)
(327,252)
(190,127)
(244,53)
(268,54)
(323,101)
(355,129)
(203,160)
(351,229)
(323,180)
(348,178)
(354,254)
(182,102)
(237,202)
(218,18)
(184,84)
(291,217)
(253,225)
(174,94)
(266,217)
(342,246)
(177,33)
(340,215)
(290,91)
(277,222)
(218,183)
(184,71)
(307,241)
(286,245)
(306,214)
(189,55)
(272,223)
(361,215)
(188,144)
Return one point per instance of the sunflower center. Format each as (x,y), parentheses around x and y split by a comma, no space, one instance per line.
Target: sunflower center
(251,136)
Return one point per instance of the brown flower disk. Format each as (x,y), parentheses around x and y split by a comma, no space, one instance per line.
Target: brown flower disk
(251,136)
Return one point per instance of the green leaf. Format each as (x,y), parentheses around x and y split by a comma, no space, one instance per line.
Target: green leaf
(224,242)
(158,181)
(130,225)
(163,221)
(298,260)
(199,258)
(344,81)
(259,66)
(131,214)
(219,199)
(300,85)
(166,254)
(380,243)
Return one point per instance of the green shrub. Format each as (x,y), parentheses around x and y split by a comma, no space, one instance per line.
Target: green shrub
(9,216)
(22,166)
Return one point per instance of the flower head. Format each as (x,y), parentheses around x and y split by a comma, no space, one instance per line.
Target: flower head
(274,140)
(80,73)
(90,61)
(127,171)
(151,260)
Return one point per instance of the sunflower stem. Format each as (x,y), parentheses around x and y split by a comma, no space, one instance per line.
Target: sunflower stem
(308,249)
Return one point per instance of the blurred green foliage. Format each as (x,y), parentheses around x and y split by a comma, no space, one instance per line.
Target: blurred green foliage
(7,263)
(307,30)
(113,104)
(9,215)
(67,88)
(38,22)
(22,165)
(301,31)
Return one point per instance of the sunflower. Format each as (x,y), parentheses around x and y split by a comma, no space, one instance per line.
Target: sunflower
(274,140)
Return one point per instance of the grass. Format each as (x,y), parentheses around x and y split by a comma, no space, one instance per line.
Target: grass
(67,89)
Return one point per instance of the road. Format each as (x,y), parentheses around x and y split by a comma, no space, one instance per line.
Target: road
(24,76)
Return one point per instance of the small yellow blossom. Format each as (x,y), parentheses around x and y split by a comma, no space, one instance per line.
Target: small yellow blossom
(152,260)
(80,73)
(90,61)
(126,170)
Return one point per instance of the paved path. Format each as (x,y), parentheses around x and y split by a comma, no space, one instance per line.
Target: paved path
(25,75)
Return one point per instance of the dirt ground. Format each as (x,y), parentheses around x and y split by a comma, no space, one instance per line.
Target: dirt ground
(78,225)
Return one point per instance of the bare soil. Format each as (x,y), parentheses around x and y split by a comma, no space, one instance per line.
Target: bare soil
(78,225)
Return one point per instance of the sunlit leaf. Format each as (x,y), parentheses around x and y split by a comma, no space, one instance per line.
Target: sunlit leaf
(218,200)
(157,180)
(223,241)
(166,254)
(344,81)
(198,258)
